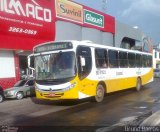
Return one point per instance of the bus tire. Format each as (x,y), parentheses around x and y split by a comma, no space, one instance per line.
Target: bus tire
(100,92)
(138,84)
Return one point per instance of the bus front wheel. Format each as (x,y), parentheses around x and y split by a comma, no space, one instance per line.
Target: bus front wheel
(139,84)
(99,93)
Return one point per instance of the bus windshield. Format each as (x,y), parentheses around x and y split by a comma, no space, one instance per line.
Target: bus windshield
(55,66)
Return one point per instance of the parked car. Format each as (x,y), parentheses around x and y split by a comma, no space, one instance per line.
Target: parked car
(156,72)
(20,90)
(1,95)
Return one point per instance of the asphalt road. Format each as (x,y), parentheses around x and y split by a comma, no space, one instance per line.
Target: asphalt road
(117,108)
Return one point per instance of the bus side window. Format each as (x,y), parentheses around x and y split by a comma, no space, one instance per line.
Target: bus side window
(113,58)
(131,60)
(144,60)
(84,56)
(149,61)
(138,60)
(123,59)
(101,58)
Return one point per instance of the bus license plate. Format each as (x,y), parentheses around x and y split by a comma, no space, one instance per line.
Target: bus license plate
(51,94)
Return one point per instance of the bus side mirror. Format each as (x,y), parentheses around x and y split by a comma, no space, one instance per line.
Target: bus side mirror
(83,62)
(30,62)
(31,65)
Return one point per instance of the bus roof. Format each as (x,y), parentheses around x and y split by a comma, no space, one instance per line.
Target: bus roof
(91,44)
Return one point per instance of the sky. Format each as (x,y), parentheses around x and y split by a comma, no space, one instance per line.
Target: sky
(142,13)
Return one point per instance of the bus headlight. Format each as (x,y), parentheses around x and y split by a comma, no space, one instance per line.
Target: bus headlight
(71,86)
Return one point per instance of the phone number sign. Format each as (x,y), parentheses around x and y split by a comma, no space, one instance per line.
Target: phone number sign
(27,18)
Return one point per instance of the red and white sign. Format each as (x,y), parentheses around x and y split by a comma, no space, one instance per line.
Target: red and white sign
(26,23)
(70,11)
(29,20)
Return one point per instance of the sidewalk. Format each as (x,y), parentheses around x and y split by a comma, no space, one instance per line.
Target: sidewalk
(147,122)
(127,125)
(153,120)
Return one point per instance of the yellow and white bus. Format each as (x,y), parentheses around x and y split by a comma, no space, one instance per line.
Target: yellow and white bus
(81,69)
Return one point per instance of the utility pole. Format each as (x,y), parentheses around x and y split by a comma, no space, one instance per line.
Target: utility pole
(104,6)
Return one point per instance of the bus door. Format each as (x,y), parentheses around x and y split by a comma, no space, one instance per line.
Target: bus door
(84,64)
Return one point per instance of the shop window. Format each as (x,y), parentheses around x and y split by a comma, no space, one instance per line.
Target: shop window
(155,54)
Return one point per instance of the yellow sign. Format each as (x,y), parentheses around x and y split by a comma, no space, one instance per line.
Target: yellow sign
(68,10)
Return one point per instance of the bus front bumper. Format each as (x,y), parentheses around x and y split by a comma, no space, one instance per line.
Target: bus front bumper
(56,95)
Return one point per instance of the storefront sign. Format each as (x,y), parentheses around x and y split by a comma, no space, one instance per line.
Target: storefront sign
(30,10)
(93,18)
(69,11)
(27,19)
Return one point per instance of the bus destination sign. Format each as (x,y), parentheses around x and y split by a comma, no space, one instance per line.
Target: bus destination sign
(53,47)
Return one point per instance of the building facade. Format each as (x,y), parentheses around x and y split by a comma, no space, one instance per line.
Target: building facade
(28,23)
(23,24)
